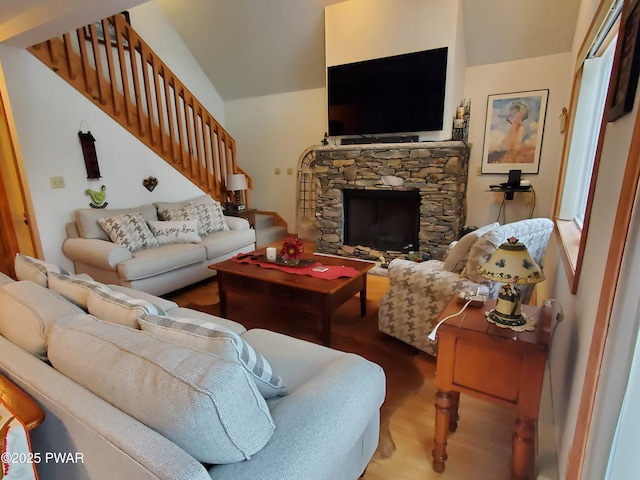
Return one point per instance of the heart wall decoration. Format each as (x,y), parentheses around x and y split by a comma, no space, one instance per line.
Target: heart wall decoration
(150,183)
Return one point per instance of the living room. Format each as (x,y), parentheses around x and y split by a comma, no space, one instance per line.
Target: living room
(47,115)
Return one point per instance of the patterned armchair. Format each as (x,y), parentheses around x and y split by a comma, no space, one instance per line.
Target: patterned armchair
(418,292)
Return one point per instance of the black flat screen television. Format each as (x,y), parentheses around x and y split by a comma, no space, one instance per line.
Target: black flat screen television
(398,94)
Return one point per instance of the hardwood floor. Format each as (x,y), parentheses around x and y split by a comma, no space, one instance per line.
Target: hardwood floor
(480,449)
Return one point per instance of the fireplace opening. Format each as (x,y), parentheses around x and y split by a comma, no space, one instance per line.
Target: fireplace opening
(382,219)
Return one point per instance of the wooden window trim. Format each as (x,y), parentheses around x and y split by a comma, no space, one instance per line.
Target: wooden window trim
(572,251)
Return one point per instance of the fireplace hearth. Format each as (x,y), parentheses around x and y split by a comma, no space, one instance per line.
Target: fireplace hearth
(434,173)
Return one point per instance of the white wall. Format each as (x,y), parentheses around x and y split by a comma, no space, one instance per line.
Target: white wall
(365,29)
(572,340)
(548,72)
(272,132)
(156,30)
(48,113)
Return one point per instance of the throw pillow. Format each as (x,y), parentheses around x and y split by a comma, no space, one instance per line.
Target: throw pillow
(206,405)
(458,254)
(119,308)
(211,217)
(213,338)
(129,230)
(188,212)
(29,268)
(74,288)
(182,231)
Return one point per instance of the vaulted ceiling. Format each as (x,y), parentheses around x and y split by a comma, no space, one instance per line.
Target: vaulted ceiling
(251,48)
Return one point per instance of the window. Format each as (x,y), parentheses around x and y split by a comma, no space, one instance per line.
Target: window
(584,139)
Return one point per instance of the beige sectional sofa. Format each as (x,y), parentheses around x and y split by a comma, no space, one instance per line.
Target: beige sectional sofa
(152,265)
(144,389)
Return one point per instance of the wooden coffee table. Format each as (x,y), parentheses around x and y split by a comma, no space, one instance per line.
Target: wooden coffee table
(302,292)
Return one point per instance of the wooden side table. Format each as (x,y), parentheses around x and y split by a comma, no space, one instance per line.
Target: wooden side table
(478,358)
(248,213)
(23,406)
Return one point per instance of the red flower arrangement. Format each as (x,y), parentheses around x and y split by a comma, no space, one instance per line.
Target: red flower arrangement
(292,248)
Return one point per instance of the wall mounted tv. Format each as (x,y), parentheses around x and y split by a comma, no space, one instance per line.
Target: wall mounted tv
(398,94)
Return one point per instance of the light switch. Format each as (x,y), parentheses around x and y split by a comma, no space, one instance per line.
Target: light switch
(289,171)
(56,182)
(277,171)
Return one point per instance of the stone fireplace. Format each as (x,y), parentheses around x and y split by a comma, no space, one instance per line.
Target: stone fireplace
(434,172)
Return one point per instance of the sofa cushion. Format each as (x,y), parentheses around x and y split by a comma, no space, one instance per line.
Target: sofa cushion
(457,255)
(4,279)
(153,261)
(87,219)
(129,230)
(213,338)
(72,287)
(119,308)
(27,311)
(183,231)
(29,268)
(218,244)
(208,406)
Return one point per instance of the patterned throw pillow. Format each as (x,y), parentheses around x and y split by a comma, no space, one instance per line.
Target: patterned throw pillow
(213,338)
(211,217)
(129,230)
(188,212)
(179,231)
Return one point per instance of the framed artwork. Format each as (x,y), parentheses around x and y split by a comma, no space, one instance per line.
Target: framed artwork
(513,131)
(112,31)
(626,63)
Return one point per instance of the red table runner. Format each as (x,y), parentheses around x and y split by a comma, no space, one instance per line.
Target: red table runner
(333,271)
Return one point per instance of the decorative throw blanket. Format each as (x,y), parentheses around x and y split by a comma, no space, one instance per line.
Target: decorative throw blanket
(17,460)
(317,269)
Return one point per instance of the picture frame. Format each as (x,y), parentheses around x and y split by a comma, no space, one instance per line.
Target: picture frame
(513,131)
(626,63)
(112,31)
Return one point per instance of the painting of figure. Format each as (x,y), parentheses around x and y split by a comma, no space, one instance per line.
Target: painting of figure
(513,133)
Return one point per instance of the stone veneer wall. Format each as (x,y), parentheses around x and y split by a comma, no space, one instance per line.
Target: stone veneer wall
(439,170)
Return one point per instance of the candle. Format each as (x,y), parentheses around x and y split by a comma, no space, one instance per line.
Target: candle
(271,254)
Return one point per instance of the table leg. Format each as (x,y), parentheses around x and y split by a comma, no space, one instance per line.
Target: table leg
(223,296)
(363,297)
(453,416)
(524,433)
(443,411)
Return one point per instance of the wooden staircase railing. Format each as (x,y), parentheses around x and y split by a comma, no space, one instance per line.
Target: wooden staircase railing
(126,79)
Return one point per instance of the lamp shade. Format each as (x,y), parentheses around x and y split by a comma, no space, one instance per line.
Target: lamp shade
(236,181)
(511,263)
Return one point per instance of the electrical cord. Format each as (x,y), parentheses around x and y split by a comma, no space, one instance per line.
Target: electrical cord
(533,203)
(432,335)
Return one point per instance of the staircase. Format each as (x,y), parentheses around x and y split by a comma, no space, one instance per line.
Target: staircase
(270,228)
(120,74)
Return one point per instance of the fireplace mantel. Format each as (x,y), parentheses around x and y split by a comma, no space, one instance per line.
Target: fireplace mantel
(438,170)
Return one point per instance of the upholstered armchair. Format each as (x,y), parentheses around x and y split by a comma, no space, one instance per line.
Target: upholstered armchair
(418,292)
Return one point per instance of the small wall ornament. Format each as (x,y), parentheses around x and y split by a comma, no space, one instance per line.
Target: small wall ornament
(150,183)
(87,141)
(97,197)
